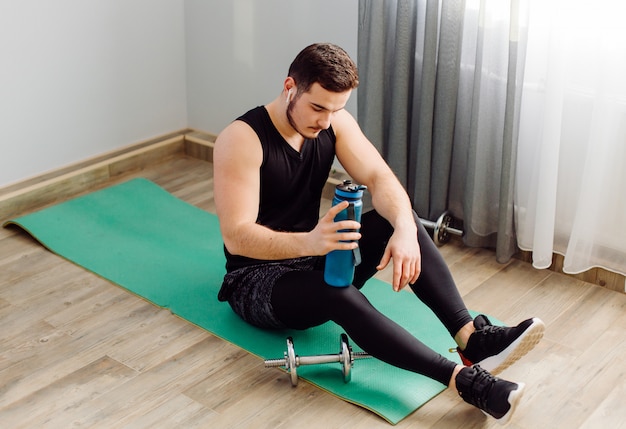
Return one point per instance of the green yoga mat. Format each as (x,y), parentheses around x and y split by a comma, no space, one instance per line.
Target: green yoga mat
(161,248)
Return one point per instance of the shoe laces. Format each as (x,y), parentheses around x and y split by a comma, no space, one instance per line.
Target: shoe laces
(480,388)
(490,334)
(484,338)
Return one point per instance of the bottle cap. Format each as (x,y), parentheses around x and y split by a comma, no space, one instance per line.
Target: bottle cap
(347,189)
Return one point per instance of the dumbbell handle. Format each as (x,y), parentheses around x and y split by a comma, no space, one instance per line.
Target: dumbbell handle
(432,225)
(314,360)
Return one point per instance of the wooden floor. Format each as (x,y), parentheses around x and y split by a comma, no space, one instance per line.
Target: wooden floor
(77,351)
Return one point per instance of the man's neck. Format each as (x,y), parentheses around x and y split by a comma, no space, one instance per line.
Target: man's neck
(278,114)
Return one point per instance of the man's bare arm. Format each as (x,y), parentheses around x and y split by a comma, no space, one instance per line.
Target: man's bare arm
(364,164)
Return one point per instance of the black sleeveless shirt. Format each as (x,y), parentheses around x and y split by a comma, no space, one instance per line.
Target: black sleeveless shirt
(291,181)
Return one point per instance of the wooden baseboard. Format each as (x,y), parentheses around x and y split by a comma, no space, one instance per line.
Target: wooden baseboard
(199,144)
(598,276)
(58,185)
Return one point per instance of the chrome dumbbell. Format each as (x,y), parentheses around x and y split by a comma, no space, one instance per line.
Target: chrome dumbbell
(291,361)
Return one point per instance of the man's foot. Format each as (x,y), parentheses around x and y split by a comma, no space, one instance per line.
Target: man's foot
(494,396)
(495,348)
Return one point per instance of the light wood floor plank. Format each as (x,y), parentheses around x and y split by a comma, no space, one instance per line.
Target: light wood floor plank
(42,407)
(580,385)
(469,275)
(609,413)
(178,412)
(150,389)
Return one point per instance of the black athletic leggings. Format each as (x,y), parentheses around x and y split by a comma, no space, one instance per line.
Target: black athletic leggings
(375,333)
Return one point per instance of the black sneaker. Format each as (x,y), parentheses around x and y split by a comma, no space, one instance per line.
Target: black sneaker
(495,348)
(494,396)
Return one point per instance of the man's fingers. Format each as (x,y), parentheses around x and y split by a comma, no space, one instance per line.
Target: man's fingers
(416,272)
(334,210)
(404,274)
(384,261)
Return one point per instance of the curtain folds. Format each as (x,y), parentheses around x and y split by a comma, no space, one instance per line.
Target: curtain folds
(440,98)
(572,156)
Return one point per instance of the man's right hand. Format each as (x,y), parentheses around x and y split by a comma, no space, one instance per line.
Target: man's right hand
(326,237)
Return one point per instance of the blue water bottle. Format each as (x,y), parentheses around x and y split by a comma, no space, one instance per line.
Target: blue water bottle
(339,267)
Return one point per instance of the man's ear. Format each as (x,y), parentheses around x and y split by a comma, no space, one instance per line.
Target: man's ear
(290,86)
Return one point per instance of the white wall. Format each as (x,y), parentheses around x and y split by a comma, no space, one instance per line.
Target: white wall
(239,51)
(79,78)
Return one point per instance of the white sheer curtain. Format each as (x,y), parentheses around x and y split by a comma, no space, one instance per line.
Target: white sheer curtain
(571,167)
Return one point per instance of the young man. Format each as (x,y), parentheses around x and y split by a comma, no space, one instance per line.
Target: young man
(270,166)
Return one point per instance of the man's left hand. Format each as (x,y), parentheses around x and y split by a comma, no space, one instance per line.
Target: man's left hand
(404,250)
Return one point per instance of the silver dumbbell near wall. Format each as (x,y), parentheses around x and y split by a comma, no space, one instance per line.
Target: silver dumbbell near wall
(291,361)
(441,228)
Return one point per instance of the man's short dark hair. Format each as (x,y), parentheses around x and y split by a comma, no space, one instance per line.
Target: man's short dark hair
(327,64)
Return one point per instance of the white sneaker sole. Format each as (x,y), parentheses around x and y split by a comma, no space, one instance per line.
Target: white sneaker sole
(518,348)
(514,398)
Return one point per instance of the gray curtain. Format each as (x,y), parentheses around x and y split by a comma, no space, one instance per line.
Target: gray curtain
(440,97)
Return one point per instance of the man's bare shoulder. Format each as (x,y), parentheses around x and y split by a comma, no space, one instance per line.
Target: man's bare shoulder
(343,118)
(347,129)
(238,145)
(237,130)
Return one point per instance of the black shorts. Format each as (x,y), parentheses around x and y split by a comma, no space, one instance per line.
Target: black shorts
(248,290)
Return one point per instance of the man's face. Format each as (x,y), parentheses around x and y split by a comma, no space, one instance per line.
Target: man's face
(311,112)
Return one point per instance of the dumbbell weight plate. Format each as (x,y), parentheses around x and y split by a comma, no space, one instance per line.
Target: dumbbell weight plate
(345,354)
(290,359)
(441,234)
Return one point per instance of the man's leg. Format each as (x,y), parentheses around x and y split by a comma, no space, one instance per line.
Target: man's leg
(302,299)
(435,286)
(479,342)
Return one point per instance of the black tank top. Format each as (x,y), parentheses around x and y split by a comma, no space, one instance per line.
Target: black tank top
(291,181)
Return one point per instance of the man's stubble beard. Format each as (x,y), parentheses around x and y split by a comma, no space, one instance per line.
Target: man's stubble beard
(291,121)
